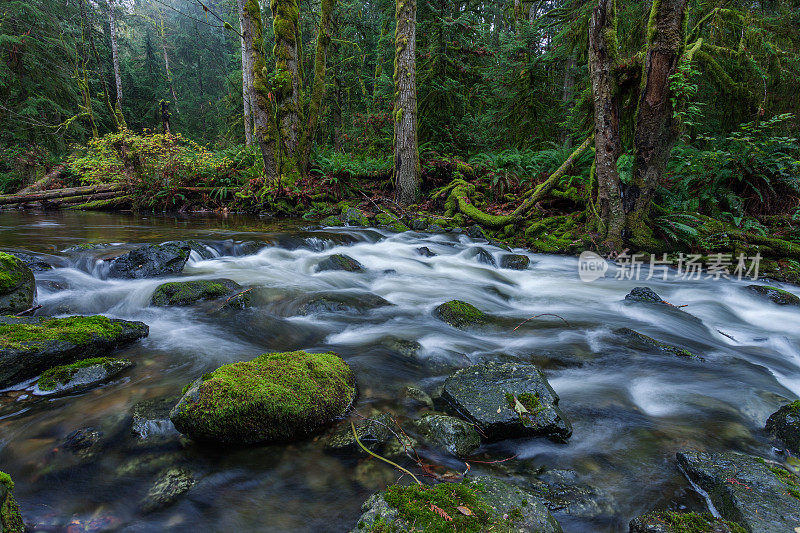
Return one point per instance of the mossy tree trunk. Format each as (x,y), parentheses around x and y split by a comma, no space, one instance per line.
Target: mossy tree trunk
(603,50)
(247,77)
(163,34)
(286,23)
(406,150)
(112,24)
(657,127)
(318,86)
(260,94)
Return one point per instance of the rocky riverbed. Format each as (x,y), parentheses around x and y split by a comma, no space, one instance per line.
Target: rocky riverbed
(240,376)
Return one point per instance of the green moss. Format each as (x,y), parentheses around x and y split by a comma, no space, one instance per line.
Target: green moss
(75,330)
(268,392)
(11,272)
(789,479)
(189,292)
(61,375)
(531,403)
(6,481)
(693,522)
(460,314)
(414,505)
(10,518)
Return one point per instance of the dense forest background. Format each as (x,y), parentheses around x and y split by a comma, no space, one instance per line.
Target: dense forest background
(503,87)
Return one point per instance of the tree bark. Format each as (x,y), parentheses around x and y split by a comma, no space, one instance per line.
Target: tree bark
(247,77)
(568,95)
(286,24)
(406,150)
(260,96)
(112,24)
(602,60)
(656,126)
(318,86)
(163,35)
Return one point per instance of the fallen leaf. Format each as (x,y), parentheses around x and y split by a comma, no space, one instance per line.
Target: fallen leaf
(464,510)
(518,407)
(441,512)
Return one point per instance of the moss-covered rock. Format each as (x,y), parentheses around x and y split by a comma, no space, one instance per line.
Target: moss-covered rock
(398,227)
(333,221)
(460,314)
(515,261)
(32,261)
(775,295)
(485,504)
(758,495)
(506,400)
(275,397)
(17,285)
(81,375)
(181,293)
(29,346)
(672,522)
(449,433)
(10,517)
(477,232)
(170,485)
(354,217)
(784,424)
(650,341)
(340,262)
(151,261)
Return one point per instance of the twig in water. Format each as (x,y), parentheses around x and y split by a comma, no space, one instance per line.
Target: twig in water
(723,333)
(543,314)
(28,311)
(375,455)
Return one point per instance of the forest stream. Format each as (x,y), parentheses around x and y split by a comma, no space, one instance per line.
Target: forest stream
(631,407)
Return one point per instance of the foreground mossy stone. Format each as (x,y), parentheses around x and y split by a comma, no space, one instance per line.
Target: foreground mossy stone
(32,261)
(784,424)
(276,397)
(460,314)
(515,261)
(760,496)
(182,293)
(672,522)
(339,262)
(10,517)
(506,400)
(170,485)
(81,375)
(449,433)
(775,295)
(151,261)
(650,341)
(29,346)
(485,504)
(17,285)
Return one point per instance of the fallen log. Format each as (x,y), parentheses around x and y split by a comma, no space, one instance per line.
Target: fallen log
(73,200)
(100,205)
(43,183)
(27,198)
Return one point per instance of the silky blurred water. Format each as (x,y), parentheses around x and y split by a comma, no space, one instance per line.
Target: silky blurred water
(631,407)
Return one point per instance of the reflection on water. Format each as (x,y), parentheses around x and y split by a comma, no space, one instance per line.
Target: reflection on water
(631,409)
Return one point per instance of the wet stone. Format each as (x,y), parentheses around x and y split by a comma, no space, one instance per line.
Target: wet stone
(339,262)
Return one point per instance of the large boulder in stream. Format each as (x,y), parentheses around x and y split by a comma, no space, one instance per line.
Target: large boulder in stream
(485,504)
(761,496)
(507,400)
(339,262)
(10,517)
(672,522)
(17,285)
(775,295)
(276,397)
(79,376)
(29,346)
(151,261)
(784,424)
(182,293)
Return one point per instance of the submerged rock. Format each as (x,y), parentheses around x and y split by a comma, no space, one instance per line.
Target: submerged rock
(424,251)
(170,485)
(276,397)
(775,295)
(515,261)
(339,262)
(29,346)
(459,314)
(451,434)
(84,442)
(417,398)
(650,341)
(563,493)
(485,504)
(672,522)
(760,496)
(151,261)
(483,256)
(340,302)
(17,285)
(407,348)
(379,434)
(181,293)
(507,400)
(10,517)
(150,418)
(784,424)
(34,262)
(82,375)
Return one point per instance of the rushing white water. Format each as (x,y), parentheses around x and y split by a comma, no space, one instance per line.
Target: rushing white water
(631,407)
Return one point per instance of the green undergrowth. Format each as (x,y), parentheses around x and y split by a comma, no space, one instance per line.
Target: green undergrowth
(75,330)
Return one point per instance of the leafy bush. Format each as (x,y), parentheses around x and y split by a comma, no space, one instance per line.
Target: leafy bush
(343,165)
